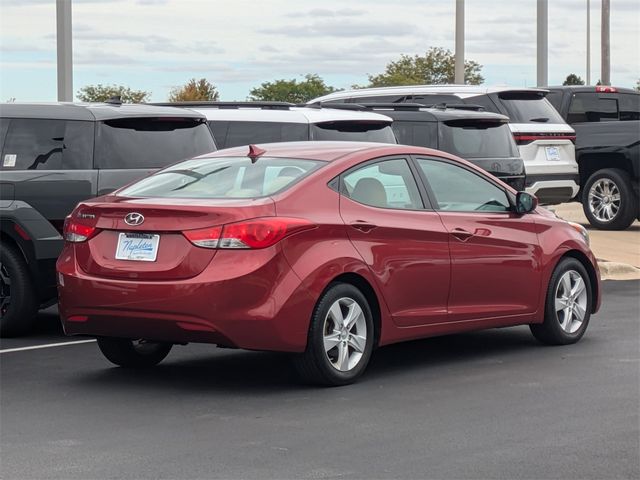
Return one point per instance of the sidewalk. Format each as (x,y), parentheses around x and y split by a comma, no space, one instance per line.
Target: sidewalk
(617,251)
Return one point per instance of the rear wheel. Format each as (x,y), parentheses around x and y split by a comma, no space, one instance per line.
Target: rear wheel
(18,305)
(340,338)
(133,353)
(568,305)
(608,200)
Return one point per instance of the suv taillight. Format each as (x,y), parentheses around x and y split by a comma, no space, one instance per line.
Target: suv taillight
(250,234)
(76,232)
(526,138)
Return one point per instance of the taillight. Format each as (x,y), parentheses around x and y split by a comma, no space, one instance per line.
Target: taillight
(250,234)
(526,138)
(75,232)
(606,89)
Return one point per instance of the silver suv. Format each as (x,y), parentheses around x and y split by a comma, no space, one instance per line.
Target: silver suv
(545,141)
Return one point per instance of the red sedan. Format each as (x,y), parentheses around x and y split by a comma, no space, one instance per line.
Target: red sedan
(325,250)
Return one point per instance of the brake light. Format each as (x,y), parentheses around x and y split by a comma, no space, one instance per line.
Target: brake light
(526,138)
(606,89)
(76,232)
(250,234)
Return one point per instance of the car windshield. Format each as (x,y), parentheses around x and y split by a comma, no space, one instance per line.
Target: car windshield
(528,107)
(223,177)
(473,139)
(150,142)
(356,131)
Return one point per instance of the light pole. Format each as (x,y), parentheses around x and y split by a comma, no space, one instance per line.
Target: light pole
(459,63)
(588,42)
(605,66)
(543,43)
(65,54)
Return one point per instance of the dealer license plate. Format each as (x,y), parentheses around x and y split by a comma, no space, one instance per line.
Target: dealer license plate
(140,247)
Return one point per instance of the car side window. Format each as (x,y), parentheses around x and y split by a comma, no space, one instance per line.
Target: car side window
(629,106)
(457,189)
(385,184)
(42,144)
(590,107)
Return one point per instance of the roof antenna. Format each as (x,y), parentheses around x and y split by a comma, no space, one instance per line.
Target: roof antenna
(114,100)
(254,153)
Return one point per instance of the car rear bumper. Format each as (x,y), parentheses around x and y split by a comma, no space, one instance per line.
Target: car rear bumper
(554,188)
(248,299)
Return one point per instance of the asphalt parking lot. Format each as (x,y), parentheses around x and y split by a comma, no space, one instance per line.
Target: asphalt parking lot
(491,404)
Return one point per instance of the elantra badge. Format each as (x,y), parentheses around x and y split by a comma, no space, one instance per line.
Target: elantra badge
(134,218)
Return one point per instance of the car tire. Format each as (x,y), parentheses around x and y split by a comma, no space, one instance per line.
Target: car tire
(133,353)
(608,200)
(567,306)
(340,340)
(18,304)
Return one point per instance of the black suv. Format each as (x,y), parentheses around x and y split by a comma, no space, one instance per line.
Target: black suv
(55,155)
(607,124)
(483,138)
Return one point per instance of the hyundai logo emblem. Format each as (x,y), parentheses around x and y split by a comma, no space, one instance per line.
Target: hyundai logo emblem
(134,218)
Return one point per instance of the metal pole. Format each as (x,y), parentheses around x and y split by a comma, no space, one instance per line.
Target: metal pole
(588,42)
(543,43)
(65,54)
(605,74)
(459,64)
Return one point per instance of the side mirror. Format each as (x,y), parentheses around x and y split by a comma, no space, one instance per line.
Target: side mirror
(525,203)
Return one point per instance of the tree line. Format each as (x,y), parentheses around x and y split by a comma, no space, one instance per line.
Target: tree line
(435,67)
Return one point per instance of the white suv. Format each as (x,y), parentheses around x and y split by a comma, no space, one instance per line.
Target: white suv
(243,123)
(545,141)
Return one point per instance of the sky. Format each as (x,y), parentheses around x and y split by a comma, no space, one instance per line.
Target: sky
(155,45)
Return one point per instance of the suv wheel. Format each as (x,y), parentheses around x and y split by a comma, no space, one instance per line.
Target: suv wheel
(18,304)
(608,200)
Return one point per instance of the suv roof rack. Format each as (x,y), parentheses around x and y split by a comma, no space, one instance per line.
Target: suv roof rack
(457,106)
(397,106)
(229,105)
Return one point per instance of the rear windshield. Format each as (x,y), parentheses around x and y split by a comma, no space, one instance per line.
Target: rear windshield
(477,140)
(224,177)
(526,107)
(353,131)
(150,142)
(232,134)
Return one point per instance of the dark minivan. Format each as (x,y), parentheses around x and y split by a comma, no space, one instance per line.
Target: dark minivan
(55,155)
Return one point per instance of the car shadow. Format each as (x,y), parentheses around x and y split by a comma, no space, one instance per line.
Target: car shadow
(239,371)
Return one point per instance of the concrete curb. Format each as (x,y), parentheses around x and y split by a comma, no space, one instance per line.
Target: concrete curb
(618,271)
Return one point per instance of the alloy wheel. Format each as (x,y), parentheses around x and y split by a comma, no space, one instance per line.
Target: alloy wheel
(604,200)
(5,289)
(345,334)
(571,301)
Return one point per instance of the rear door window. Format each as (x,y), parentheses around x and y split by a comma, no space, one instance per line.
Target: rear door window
(528,107)
(245,133)
(420,134)
(43,144)
(629,104)
(353,131)
(592,107)
(150,142)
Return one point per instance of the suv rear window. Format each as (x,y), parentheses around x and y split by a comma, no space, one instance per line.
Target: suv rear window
(150,142)
(356,131)
(527,107)
(224,177)
(232,134)
(43,144)
(473,139)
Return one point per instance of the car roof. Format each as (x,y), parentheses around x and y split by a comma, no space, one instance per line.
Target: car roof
(90,111)
(323,150)
(289,115)
(461,90)
(592,88)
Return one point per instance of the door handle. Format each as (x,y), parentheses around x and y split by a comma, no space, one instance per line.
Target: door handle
(461,234)
(363,226)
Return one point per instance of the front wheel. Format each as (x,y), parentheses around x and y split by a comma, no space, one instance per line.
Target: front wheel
(568,305)
(608,200)
(340,338)
(133,353)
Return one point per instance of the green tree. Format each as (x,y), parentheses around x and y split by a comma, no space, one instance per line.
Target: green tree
(638,85)
(194,90)
(436,66)
(573,79)
(100,93)
(293,91)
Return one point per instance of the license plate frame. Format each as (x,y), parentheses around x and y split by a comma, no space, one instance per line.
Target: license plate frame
(552,153)
(137,247)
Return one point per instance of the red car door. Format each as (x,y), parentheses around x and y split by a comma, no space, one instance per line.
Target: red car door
(495,256)
(404,245)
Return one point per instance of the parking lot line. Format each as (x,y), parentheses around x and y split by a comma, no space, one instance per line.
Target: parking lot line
(48,345)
